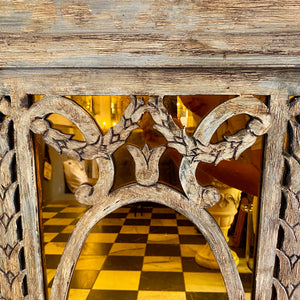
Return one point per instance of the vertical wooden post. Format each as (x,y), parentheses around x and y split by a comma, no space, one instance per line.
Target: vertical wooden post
(271,197)
(28,196)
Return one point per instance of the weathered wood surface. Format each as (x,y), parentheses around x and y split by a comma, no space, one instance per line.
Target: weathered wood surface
(194,149)
(150,33)
(271,197)
(287,280)
(142,81)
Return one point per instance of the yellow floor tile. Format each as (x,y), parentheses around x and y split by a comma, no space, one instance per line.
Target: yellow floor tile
(162,264)
(128,249)
(248,296)
(163,222)
(59,221)
(101,237)
(154,238)
(48,215)
(78,294)
(48,236)
(204,282)
(181,217)
(118,280)
(88,262)
(189,250)
(188,230)
(50,274)
(135,229)
(160,295)
(56,248)
(74,209)
(112,221)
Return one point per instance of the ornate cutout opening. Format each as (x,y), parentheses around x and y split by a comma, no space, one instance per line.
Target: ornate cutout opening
(159,125)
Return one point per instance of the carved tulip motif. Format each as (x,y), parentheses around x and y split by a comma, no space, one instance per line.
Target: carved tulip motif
(146,163)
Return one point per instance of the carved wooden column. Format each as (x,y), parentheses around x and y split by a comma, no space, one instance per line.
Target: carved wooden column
(21,274)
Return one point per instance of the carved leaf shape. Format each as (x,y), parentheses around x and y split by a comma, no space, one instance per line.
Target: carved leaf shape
(7,202)
(13,285)
(285,268)
(9,258)
(146,163)
(296,293)
(4,138)
(294,178)
(6,172)
(280,290)
(8,235)
(292,212)
(295,139)
(244,138)
(290,243)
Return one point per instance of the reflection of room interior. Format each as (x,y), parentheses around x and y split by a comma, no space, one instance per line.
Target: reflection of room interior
(141,243)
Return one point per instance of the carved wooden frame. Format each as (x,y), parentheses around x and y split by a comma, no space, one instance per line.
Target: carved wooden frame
(20,237)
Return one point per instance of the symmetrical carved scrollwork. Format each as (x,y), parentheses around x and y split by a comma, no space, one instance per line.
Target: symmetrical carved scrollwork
(147,188)
(287,280)
(12,265)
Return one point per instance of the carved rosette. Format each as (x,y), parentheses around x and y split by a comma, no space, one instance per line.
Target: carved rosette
(287,280)
(12,264)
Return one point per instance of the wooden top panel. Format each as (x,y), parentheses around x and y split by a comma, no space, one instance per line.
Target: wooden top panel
(149,33)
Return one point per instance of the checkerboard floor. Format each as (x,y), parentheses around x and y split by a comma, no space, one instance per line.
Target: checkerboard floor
(135,255)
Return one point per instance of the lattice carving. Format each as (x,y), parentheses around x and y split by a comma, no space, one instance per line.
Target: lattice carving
(147,188)
(287,280)
(12,266)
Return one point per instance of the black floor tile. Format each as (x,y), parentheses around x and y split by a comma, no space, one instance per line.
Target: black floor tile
(62,237)
(96,248)
(106,228)
(206,296)
(143,222)
(53,228)
(247,282)
(164,229)
(83,279)
(163,216)
(52,208)
(52,261)
(162,250)
(131,238)
(162,281)
(134,263)
(112,295)
(189,265)
(117,216)
(68,215)
(192,239)
(185,223)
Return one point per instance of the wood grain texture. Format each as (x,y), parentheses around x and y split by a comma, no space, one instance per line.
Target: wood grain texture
(175,81)
(12,272)
(286,280)
(271,197)
(150,33)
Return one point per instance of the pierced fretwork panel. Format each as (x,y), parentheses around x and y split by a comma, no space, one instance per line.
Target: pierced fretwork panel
(287,280)
(194,148)
(12,261)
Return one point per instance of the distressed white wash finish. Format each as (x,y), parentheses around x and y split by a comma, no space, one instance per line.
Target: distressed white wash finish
(149,33)
(193,149)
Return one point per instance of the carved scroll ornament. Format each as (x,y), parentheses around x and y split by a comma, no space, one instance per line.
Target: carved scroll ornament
(193,149)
